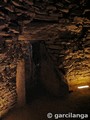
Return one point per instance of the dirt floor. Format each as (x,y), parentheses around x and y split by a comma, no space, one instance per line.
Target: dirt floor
(76,102)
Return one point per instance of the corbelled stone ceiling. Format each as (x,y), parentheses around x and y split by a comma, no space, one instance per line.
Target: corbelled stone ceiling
(64,25)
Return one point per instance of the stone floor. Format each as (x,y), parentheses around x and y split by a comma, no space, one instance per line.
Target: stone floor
(74,102)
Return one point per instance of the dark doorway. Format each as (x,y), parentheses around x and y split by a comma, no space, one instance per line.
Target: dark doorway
(34,89)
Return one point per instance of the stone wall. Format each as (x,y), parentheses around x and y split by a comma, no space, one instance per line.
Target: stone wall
(71,52)
(8,94)
(8,97)
(10,54)
(15,16)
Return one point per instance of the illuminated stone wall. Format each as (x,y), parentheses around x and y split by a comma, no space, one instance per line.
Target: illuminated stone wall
(78,64)
(8,97)
(71,53)
(8,94)
(9,56)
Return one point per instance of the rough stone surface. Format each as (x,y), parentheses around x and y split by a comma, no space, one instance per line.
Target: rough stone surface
(71,53)
(67,39)
(9,56)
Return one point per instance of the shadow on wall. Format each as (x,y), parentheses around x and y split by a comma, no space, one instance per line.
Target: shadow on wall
(45,77)
(51,78)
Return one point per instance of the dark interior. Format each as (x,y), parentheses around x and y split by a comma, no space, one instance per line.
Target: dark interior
(44,59)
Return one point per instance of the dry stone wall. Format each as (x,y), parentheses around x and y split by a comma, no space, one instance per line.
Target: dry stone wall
(15,16)
(12,53)
(8,97)
(71,52)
